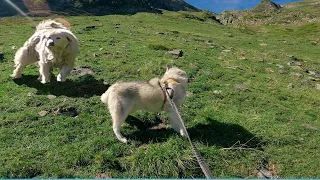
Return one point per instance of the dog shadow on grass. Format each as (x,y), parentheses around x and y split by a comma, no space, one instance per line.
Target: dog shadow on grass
(213,133)
(148,131)
(84,86)
(225,135)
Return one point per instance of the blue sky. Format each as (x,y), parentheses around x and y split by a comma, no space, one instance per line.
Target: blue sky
(218,6)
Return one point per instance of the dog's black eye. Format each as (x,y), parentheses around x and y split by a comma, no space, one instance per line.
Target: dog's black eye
(58,37)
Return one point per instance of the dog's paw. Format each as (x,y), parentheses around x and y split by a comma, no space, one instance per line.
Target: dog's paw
(16,76)
(44,81)
(123,140)
(182,133)
(60,79)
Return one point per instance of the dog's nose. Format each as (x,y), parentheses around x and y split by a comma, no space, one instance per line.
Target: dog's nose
(51,43)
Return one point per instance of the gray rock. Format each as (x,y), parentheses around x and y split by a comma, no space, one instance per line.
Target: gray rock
(176,52)
(241,87)
(291,86)
(314,74)
(296,74)
(279,66)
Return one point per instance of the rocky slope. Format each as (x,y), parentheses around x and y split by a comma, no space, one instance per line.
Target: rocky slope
(268,12)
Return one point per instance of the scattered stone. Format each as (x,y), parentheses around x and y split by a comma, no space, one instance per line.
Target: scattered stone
(70,111)
(105,83)
(263,44)
(314,43)
(116,25)
(90,27)
(294,58)
(83,70)
(100,49)
(269,70)
(264,173)
(189,94)
(318,86)
(314,74)
(95,55)
(283,71)
(313,79)
(221,58)
(241,87)
(43,113)
(13,47)
(291,86)
(217,92)
(176,52)
(51,96)
(292,63)
(279,66)
(159,126)
(242,58)
(296,74)
(226,50)
(296,67)
(309,126)
(30,94)
(103,176)
(209,43)
(234,67)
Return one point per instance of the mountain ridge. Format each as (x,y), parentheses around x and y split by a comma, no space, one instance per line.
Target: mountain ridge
(97,7)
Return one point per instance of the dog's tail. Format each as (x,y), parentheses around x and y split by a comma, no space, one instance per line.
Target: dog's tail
(105,96)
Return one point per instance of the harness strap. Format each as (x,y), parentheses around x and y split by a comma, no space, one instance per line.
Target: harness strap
(165,87)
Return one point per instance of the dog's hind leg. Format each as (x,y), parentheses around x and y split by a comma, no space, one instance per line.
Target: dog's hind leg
(17,72)
(64,72)
(21,59)
(119,114)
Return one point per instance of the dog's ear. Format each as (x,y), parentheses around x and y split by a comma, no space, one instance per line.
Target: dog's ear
(168,67)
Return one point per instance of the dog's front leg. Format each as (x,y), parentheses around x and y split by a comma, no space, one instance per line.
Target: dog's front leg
(64,72)
(44,70)
(175,123)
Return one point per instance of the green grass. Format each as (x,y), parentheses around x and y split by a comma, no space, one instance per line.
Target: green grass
(238,131)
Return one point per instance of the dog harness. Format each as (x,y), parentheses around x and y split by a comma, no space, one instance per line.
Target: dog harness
(164,87)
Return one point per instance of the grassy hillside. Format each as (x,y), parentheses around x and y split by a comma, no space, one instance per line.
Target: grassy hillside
(252,107)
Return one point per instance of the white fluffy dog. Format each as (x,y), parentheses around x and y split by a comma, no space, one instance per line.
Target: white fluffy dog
(52,45)
(127,97)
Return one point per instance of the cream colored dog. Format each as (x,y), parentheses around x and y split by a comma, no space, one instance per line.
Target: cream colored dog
(127,97)
(52,45)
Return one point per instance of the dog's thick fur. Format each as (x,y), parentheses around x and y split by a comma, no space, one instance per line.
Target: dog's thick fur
(127,97)
(52,45)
